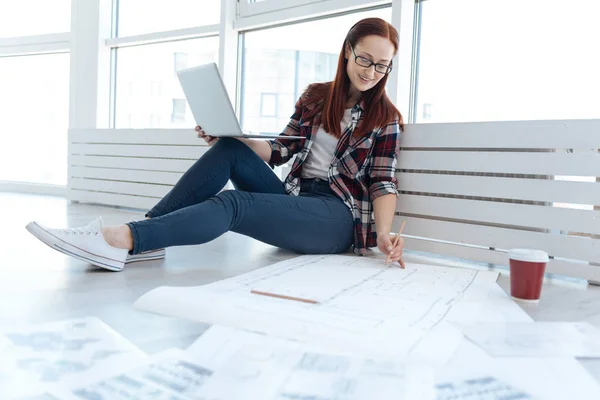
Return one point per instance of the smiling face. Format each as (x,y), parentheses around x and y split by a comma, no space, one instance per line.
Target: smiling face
(370,49)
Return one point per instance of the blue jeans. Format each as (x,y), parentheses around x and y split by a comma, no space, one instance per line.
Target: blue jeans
(196,211)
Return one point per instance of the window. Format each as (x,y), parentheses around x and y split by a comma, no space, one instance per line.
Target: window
(34,17)
(156,88)
(34,99)
(508,60)
(253,7)
(137,17)
(181,61)
(278,65)
(268,104)
(155,120)
(427,111)
(145,84)
(179,108)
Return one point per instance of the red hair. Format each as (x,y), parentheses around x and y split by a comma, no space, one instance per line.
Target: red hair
(330,97)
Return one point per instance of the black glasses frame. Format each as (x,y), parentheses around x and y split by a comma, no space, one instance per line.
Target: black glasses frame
(366,63)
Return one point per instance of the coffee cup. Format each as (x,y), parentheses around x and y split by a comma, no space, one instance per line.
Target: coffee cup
(527,268)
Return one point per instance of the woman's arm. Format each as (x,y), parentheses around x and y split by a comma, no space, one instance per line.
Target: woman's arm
(383,189)
(260,147)
(277,152)
(384,208)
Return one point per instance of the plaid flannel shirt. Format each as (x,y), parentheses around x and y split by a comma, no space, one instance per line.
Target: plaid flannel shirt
(361,169)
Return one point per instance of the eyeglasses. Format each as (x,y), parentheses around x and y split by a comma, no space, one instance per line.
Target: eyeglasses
(366,63)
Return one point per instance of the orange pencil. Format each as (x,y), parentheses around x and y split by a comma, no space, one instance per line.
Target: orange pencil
(387,260)
(281,296)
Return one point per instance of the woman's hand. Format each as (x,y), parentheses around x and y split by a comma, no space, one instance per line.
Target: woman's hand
(391,246)
(208,139)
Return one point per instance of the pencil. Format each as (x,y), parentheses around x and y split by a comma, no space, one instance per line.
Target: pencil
(387,260)
(281,296)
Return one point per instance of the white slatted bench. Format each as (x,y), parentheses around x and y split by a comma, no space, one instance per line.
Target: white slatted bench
(128,167)
(467,190)
(475,190)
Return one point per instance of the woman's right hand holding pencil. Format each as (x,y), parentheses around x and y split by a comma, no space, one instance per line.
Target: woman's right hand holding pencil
(394,247)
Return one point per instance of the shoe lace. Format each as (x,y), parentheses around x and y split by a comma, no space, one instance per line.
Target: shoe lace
(86,230)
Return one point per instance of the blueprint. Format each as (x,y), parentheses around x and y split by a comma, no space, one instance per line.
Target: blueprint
(169,375)
(60,353)
(249,365)
(484,387)
(539,339)
(547,378)
(361,303)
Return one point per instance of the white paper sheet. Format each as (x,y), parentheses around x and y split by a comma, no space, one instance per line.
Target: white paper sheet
(374,309)
(542,378)
(169,375)
(483,387)
(260,374)
(539,339)
(500,307)
(51,355)
(251,366)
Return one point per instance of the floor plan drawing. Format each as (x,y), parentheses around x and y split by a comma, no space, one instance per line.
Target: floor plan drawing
(355,298)
(58,353)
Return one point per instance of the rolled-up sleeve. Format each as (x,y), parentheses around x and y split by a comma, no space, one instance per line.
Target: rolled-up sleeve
(283,150)
(382,171)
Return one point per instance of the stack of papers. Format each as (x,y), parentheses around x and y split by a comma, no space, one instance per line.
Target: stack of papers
(368,332)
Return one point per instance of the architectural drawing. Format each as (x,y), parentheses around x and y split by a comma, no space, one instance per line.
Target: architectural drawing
(295,373)
(486,387)
(61,353)
(539,339)
(362,303)
(169,375)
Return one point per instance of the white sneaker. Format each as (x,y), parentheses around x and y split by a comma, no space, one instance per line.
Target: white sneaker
(86,244)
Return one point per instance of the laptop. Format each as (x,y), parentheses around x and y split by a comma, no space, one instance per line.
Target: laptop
(209,102)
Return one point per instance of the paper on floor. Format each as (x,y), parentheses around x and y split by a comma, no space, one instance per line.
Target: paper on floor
(539,339)
(48,355)
(250,366)
(545,378)
(257,373)
(169,375)
(477,388)
(374,309)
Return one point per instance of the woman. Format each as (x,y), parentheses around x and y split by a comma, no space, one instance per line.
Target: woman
(342,175)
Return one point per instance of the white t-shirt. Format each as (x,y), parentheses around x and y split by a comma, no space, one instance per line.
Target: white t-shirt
(322,150)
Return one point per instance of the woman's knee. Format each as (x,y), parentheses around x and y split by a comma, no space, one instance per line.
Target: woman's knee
(231,199)
(229,144)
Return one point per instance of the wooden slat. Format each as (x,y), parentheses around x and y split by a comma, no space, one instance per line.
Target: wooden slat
(182,137)
(133,163)
(131,188)
(156,177)
(501,213)
(587,193)
(564,246)
(559,134)
(558,267)
(112,199)
(146,151)
(571,164)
